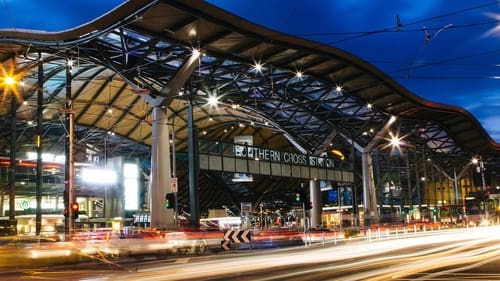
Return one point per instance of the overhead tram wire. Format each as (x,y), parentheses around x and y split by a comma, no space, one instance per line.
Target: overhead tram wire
(445,61)
(394,29)
(360,34)
(420,77)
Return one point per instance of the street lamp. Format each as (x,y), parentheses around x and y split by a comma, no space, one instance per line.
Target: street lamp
(12,167)
(480,169)
(8,81)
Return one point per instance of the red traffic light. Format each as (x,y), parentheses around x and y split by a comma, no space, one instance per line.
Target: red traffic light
(74,210)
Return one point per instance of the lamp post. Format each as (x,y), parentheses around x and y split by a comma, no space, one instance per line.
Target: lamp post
(9,84)
(69,222)
(478,161)
(12,167)
(193,167)
(174,181)
(39,150)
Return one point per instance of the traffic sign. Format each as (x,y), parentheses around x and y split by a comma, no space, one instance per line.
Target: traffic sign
(173,184)
(226,245)
(238,236)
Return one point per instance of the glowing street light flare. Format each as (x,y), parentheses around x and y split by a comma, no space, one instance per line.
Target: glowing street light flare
(258,67)
(395,141)
(9,81)
(475,161)
(196,53)
(213,100)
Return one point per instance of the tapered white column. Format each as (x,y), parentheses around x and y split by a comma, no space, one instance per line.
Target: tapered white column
(369,191)
(161,217)
(315,196)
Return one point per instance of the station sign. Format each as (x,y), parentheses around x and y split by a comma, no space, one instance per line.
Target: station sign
(252,152)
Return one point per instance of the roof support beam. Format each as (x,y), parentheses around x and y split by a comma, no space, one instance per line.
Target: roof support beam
(176,83)
(379,135)
(327,141)
(369,192)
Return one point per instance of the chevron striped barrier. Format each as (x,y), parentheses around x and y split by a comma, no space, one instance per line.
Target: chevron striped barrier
(237,237)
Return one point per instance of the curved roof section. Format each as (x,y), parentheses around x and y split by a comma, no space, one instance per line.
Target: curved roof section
(137,48)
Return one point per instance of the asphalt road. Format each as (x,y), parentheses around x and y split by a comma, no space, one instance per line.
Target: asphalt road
(472,254)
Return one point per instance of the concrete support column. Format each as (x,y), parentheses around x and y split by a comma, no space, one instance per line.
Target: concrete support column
(160,171)
(160,147)
(315,196)
(369,192)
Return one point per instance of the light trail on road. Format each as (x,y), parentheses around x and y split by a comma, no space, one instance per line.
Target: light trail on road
(361,261)
(465,254)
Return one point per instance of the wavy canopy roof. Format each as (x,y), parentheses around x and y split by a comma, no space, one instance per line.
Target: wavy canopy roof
(136,49)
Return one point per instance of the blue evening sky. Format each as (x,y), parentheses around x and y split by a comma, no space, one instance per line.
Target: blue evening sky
(459,65)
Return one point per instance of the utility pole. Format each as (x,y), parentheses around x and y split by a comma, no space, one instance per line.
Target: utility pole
(69,222)
(480,169)
(483,186)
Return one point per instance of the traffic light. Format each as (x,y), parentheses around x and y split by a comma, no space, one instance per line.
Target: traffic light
(66,212)
(299,197)
(309,205)
(169,200)
(74,210)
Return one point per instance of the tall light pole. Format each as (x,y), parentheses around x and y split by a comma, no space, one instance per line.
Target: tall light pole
(174,187)
(12,167)
(39,150)
(193,167)
(478,161)
(69,168)
(9,83)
